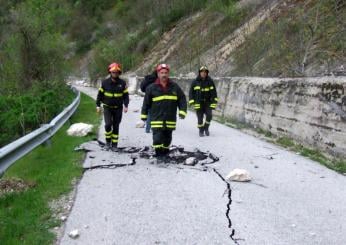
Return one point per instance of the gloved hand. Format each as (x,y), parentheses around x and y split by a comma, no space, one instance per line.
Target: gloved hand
(98,109)
(181,116)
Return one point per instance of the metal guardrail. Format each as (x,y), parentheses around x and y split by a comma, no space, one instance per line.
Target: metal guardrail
(19,148)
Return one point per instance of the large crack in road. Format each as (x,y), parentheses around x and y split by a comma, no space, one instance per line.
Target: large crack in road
(177,157)
(228,210)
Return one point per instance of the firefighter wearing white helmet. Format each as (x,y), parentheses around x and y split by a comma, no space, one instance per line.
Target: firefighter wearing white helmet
(203,98)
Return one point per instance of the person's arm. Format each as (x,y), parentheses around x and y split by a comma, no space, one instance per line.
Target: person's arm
(192,94)
(143,85)
(99,99)
(126,98)
(182,103)
(146,104)
(214,98)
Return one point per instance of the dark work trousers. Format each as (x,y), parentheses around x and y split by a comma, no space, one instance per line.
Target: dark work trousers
(208,112)
(147,123)
(162,138)
(112,120)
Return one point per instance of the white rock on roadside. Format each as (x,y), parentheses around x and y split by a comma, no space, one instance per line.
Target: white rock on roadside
(79,129)
(63,218)
(74,234)
(240,175)
(140,124)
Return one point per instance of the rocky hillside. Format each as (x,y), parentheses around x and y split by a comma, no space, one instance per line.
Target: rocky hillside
(257,38)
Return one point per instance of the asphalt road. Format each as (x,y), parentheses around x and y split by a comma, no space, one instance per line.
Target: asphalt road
(291,200)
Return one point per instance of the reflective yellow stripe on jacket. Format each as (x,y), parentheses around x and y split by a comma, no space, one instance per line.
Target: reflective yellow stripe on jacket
(160,124)
(107,94)
(165,97)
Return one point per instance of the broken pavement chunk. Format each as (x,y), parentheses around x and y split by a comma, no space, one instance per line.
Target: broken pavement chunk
(240,175)
(191,161)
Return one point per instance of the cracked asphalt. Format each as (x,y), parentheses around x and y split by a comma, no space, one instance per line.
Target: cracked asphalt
(291,200)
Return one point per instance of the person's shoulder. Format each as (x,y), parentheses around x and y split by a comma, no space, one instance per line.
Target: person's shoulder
(173,82)
(150,78)
(122,81)
(194,80)
(146,77)
(104,81)
(150,86)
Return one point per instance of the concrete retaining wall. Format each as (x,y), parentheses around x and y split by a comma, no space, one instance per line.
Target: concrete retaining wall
(310,110)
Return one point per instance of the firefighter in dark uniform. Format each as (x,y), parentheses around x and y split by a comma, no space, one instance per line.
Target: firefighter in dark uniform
(148,79)
(113,95)
(163,98)
(203,97)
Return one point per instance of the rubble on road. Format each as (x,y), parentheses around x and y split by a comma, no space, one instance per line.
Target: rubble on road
(176,155)
(191,161)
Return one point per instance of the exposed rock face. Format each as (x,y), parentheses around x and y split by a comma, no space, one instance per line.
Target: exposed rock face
(309,110)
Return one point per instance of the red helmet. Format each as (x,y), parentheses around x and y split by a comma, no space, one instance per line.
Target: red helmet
(114,67)
(161,67)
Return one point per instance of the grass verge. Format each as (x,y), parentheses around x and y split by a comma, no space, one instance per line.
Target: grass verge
(338,165)
(25,217)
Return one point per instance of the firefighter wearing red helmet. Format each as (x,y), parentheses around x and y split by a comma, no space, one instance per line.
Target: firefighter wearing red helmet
(163,98)
(114,97)
(203,97)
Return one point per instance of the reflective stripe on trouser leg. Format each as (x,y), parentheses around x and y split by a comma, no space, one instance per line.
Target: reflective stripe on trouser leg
(107,113)
(208,117)
(108,136)
(200,114)
(157,139)
(167,138)
(162,138)
(115,138)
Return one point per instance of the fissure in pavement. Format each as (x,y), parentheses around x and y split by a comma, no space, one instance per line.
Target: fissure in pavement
(228,210)
(177,156)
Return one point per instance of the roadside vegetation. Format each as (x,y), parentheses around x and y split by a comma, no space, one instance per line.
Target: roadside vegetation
(299,38)
(130,36)
(46,173)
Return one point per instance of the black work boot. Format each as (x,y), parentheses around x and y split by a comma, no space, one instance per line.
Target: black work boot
(107,146)
(114,147)
(201,132)
(206,131)
(158,153)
